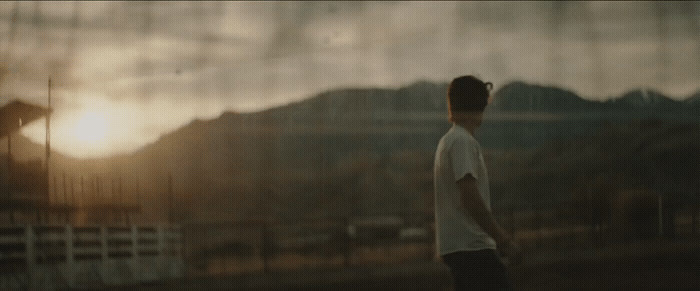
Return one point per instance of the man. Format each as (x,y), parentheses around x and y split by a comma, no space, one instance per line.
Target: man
(467,234)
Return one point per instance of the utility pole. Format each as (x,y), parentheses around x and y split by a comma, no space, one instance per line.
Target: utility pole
(65,190)
(82,191)
(120,201)
(170,198)
(48,142)
(9,155)
(119,190)
(661,217)
(65,198)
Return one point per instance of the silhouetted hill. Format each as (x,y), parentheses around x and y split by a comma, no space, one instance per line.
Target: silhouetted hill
(339,141)
(369,151)
(661,156)
(422,106)
(525,116)
(354,151)
(694,101)
(639,99)
(522,97)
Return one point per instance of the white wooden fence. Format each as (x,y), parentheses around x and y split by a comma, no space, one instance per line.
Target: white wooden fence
(50,257)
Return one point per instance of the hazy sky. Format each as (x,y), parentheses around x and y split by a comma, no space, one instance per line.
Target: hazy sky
(127,72)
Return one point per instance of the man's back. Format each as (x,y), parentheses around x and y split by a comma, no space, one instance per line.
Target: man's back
(458,155)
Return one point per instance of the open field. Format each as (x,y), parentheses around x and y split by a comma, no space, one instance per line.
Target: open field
(636,266)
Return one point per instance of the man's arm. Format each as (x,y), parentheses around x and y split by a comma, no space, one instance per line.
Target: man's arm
(475,206)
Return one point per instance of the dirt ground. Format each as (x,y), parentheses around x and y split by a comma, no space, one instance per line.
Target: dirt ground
(648,265)
(638,266)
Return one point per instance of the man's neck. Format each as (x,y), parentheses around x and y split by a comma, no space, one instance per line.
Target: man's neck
(469,125)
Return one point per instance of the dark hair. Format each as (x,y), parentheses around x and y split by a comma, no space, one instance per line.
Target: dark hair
(467,94)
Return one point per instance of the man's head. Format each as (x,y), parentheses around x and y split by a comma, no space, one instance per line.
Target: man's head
(467,97)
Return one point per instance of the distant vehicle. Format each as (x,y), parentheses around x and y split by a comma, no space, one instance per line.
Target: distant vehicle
(414,234)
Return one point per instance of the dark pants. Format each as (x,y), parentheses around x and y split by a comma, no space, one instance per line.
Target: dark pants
(477,270)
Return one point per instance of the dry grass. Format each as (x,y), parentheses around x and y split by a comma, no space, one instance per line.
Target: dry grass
(364,255)
(554,241)
(647,265)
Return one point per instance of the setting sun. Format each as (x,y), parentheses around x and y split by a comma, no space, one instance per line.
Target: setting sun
(91,127)
(96,127)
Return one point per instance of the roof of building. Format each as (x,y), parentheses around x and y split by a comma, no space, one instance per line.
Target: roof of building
(16,114)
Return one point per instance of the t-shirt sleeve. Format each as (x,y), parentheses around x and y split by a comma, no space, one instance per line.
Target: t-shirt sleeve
(465,159)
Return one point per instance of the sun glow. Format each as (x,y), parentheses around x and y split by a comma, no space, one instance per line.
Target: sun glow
(91,127)
(95,126)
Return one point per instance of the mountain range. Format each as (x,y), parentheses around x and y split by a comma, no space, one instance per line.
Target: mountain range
(353,151)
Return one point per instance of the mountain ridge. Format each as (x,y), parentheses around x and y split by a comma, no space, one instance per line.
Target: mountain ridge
(366,148)
(343,105)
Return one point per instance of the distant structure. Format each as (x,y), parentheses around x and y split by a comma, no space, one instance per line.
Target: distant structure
(25,187)
(36,229)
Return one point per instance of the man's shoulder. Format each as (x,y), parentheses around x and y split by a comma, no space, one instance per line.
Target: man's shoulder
(449,137)
(457,133)
(461,136)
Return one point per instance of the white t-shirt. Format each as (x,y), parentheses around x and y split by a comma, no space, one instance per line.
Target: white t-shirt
(459,154)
